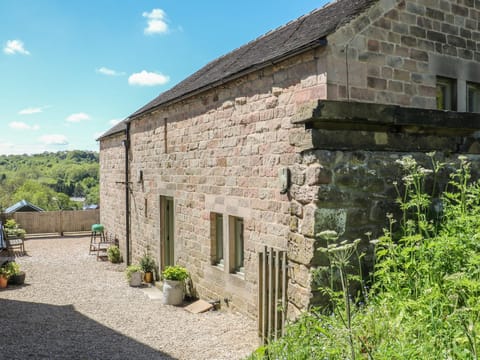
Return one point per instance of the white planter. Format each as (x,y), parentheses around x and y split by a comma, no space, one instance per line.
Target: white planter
(136,279)
(172,292)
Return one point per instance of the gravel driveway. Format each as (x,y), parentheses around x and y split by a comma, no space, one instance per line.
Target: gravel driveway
(74,307)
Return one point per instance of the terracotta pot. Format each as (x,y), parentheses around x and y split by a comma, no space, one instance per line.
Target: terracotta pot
(148,277)
(3,282)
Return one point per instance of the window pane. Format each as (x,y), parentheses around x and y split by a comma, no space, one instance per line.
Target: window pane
(219,238)
(446,94)
(473,98)
(239,246)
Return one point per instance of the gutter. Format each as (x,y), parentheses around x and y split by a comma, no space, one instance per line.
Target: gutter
(126,144)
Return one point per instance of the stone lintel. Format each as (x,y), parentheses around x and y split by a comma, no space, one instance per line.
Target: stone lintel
(342,115)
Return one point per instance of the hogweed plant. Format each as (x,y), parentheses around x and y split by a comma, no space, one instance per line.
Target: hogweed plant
(339,256)
(424,302)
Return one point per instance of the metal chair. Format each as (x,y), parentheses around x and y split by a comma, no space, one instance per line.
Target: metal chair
(100,241)
(13,242)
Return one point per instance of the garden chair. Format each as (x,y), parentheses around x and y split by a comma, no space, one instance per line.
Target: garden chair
(13,242)
(100,241)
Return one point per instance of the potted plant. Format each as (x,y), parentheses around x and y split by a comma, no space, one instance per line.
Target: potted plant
(13,229)
(147,263)
(17,277)
(114,255)
(5,273)
(173,284)
(134,275)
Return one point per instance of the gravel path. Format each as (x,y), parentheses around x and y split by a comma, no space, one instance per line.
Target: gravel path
(74,307)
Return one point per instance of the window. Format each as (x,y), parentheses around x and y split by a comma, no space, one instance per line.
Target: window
(473,97)
(217,238)
(446,94)
(236,239)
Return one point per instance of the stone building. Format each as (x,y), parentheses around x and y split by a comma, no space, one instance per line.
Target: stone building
(295,132)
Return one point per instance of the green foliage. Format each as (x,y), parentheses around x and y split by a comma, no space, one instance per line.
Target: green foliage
(177,273)
(10,224)
(424,302)
(14,268)
(132,269)
(147,263)
(49,180)
(13,229)
(9,268)
(113,254)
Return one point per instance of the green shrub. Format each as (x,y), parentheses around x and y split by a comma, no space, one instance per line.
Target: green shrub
(9,268)
(13,229)
(147,263)
(114,255)
(424,302)
(132,269)
(177,273)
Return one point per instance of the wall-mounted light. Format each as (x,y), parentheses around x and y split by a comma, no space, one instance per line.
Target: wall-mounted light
(284,177)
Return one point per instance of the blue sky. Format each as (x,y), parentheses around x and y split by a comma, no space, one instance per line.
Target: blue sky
(69,69)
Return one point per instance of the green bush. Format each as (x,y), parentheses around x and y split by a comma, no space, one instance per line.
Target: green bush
(9,268)
(424,301)
(147,263)
(114,255)
(177,273)
(132,269)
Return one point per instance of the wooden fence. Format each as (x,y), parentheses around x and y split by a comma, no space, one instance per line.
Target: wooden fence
(272,295)
(50,222)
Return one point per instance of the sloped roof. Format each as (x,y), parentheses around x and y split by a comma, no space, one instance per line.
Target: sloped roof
(303,33)
(120,127)
(22,205)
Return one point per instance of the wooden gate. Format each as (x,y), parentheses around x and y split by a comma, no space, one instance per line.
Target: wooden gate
(272,295)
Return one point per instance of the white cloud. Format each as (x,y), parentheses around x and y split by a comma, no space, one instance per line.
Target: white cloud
(77,117)
(32,110)
(17,125)
(54,139)
(114,122)
(13,47)
(157,23)
(109,72)
(145,78)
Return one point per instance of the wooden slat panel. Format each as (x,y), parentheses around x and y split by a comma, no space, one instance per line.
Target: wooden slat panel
(284,290)
(276,255)
(272,297)
(260,295)
(48,222)
(270,293)
(264,295)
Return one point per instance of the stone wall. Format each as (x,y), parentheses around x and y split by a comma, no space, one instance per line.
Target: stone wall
(112,188)
(393,52)
(221,152)
(346,185)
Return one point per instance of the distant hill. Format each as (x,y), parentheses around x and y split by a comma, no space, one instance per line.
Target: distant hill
(49,180)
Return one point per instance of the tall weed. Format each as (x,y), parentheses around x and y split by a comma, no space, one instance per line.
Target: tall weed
(425,298)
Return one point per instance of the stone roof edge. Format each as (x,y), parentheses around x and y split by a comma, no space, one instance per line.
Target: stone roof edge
(345,115)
